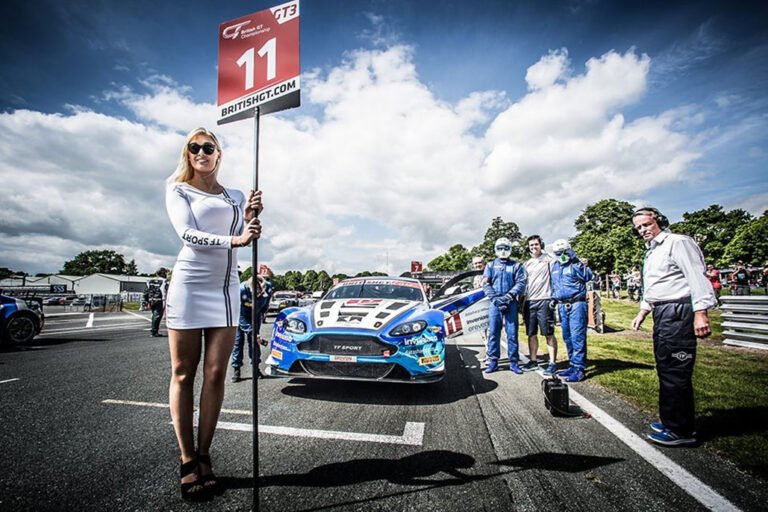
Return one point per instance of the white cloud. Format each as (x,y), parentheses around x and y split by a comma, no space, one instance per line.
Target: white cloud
(386,174)
(755,204)
(548,70)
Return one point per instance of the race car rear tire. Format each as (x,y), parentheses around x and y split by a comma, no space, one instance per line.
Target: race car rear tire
(20,328)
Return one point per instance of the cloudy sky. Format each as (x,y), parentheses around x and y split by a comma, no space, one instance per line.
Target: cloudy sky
(420,122)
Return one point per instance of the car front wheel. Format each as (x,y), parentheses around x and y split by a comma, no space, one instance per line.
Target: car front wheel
(20,329)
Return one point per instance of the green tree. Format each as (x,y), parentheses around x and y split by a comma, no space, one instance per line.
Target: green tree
(324,281)
(457,258)
(131,269)
(278,282)
(246,274)
(95,262)
(5,272)
(750,243)
(605,237)
(499,229)
(368,273)
(340,277)
(293,280)
(161,272)
(309,281)
(713,229)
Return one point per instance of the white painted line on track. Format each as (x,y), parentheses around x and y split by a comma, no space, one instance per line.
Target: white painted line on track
(8,380)
(112,327)
(89,324)
(138,315)
(681,477)
(131,402)
(51,315)
(413,433)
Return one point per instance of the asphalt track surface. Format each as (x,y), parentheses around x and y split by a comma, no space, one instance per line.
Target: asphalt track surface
(84,425)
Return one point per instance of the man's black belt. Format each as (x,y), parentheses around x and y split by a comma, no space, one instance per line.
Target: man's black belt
(681,300)
(571,301)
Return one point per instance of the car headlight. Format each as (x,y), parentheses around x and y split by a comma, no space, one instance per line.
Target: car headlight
(296,326)
(409,328)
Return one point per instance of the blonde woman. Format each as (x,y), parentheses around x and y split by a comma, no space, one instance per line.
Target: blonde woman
(203,300)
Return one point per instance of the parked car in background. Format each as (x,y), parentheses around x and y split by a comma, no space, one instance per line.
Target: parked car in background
(283,299)
(306,300)
(20,319)
(55,301)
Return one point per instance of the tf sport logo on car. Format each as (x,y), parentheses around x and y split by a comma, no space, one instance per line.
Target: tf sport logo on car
(348,348)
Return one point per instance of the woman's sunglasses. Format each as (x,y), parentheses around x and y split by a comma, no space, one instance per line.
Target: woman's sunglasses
(195,148)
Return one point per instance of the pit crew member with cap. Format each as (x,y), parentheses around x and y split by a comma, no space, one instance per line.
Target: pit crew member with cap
(503,283)
(245,331)
(679,295)
(538,314)
(569,289)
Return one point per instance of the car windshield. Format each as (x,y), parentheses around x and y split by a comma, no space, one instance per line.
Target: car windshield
(377,289)
(462,283)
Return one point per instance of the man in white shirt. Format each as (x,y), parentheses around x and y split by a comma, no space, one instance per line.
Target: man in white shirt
(679,295)
(538,313)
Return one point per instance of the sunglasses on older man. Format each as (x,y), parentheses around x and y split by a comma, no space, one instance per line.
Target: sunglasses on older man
(195,148)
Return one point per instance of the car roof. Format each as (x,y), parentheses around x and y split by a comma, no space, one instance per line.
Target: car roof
(379,278)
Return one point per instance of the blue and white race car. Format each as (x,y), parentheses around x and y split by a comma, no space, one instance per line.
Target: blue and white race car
(370,328)
(20,320)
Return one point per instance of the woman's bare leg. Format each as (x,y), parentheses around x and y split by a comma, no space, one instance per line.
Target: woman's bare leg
(186,347)
(218,349)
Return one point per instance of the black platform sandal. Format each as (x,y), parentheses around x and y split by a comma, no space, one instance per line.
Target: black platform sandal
(210,481)
(194,490)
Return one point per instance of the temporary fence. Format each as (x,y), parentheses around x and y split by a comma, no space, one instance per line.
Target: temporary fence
(745,320)
(96,303)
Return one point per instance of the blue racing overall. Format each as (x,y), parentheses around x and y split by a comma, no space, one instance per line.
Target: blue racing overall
(245,331)
(569,290)
(503,281)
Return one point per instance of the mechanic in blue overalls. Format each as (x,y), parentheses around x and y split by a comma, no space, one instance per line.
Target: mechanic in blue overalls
(245,331)
(569,290)
(503,283)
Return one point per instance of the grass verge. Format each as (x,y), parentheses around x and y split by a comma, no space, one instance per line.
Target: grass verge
(730,383)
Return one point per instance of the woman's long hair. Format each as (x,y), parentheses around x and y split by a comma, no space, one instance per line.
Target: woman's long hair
(184,171)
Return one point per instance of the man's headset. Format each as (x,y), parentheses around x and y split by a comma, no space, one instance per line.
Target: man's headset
(659,217)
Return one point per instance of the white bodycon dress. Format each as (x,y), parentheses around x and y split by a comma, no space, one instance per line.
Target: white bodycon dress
(204,284)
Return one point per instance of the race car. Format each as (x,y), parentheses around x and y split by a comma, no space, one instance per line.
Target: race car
(20,320)
(281,300)
(371,328)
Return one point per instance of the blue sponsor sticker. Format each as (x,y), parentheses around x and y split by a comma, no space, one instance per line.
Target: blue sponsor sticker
(279,346)
(283,336)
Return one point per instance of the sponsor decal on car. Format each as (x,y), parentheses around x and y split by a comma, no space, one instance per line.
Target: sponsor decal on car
(283,336)
(279,346)
(424,337)
(386,282)
(343,359)
(362,302)
(417,351)
(435,358)
(277,354)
